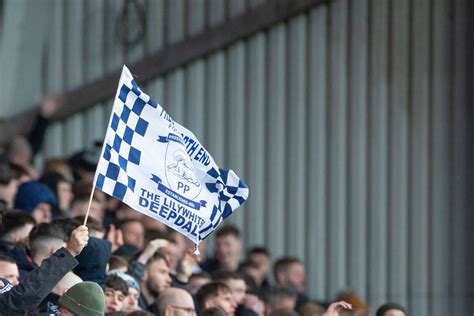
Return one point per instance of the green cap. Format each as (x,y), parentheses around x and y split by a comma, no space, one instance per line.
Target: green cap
(84,299)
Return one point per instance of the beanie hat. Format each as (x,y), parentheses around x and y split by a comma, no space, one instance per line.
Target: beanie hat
(84,299)
(32,193)
(388,306)
(131,281)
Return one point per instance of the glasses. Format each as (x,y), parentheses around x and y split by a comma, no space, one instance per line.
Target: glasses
(190,311)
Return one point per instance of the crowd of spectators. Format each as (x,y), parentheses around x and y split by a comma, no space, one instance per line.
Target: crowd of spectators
(125,263)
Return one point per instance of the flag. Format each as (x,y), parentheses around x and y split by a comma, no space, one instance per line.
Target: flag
(159,168)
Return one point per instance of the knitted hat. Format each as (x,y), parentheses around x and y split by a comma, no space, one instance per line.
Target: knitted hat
(84,299)
(32,193)
(388,306)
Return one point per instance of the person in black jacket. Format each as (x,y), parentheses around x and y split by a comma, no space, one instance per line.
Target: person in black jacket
(26,296)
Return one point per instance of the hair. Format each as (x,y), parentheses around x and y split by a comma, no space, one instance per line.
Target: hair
(210,290)
(388,306)
(52,179)
(92,223)
(283,264)
(116,314)
(42,236)
(157,256)
(117,284)
(5,258)
(13,220)
(249,264)
(213,311)
(225,275)
(273,294)
(258,250)
(117,262)
(228,230)
(67,224)
(140,313)
(283,312)
(58,165)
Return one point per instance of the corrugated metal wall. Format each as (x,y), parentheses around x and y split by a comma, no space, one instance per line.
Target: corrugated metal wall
(347,122)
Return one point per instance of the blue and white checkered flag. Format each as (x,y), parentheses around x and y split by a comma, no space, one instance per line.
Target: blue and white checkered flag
(160,169)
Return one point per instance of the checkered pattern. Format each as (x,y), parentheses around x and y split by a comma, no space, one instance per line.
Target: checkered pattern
(127,125)
(232,193)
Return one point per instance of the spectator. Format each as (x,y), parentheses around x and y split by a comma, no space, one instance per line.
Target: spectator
(289,271)
(95,227)
(247,304)
(45,239)
(9,182)
(16,228)
(60,166)
(80,204)
(133,232)
(279,297)
(83,299)
(62,190)
(118,263)
(36,199)
(116,289)
(174,300)
(391,309)
(261,257)
(9,269)
(155,277)
(130,303)
(26,296)
(228,250)
(196,281)
(216,294)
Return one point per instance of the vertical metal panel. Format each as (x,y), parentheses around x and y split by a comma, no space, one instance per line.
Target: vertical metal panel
(155,14)
(74,134)
(255,137)
(94,129)
(113,53)
(216,12)
(419,164)
(194,117)
(174,96)
(215,127)
(295,137)
(235,8)
(357,182)
(196,16)
(377,125)
(337,149)
(235,92)
(275,194)
(74,43)
(175,21)
(94,34)
(398,154)
(458,157)
(316,253)
(439,244)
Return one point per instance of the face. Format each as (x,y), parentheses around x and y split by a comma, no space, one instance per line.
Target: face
(64,195)
(228,249)
(134,234)
(42,213)
(296,276)
(9,271)
(158,276)
(130,303)
(238,289)
(64,312)
(113,300)
(394,312)
(223,300)
(185,307)
(285,303)
(263,262)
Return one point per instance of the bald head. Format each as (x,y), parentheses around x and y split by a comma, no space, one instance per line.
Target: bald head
(174,299)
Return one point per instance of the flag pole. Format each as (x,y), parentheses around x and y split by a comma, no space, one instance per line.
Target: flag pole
(90,202)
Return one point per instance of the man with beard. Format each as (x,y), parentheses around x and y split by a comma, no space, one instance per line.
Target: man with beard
(155,280)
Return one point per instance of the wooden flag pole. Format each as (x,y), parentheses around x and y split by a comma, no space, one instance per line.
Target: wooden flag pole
(90,202)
